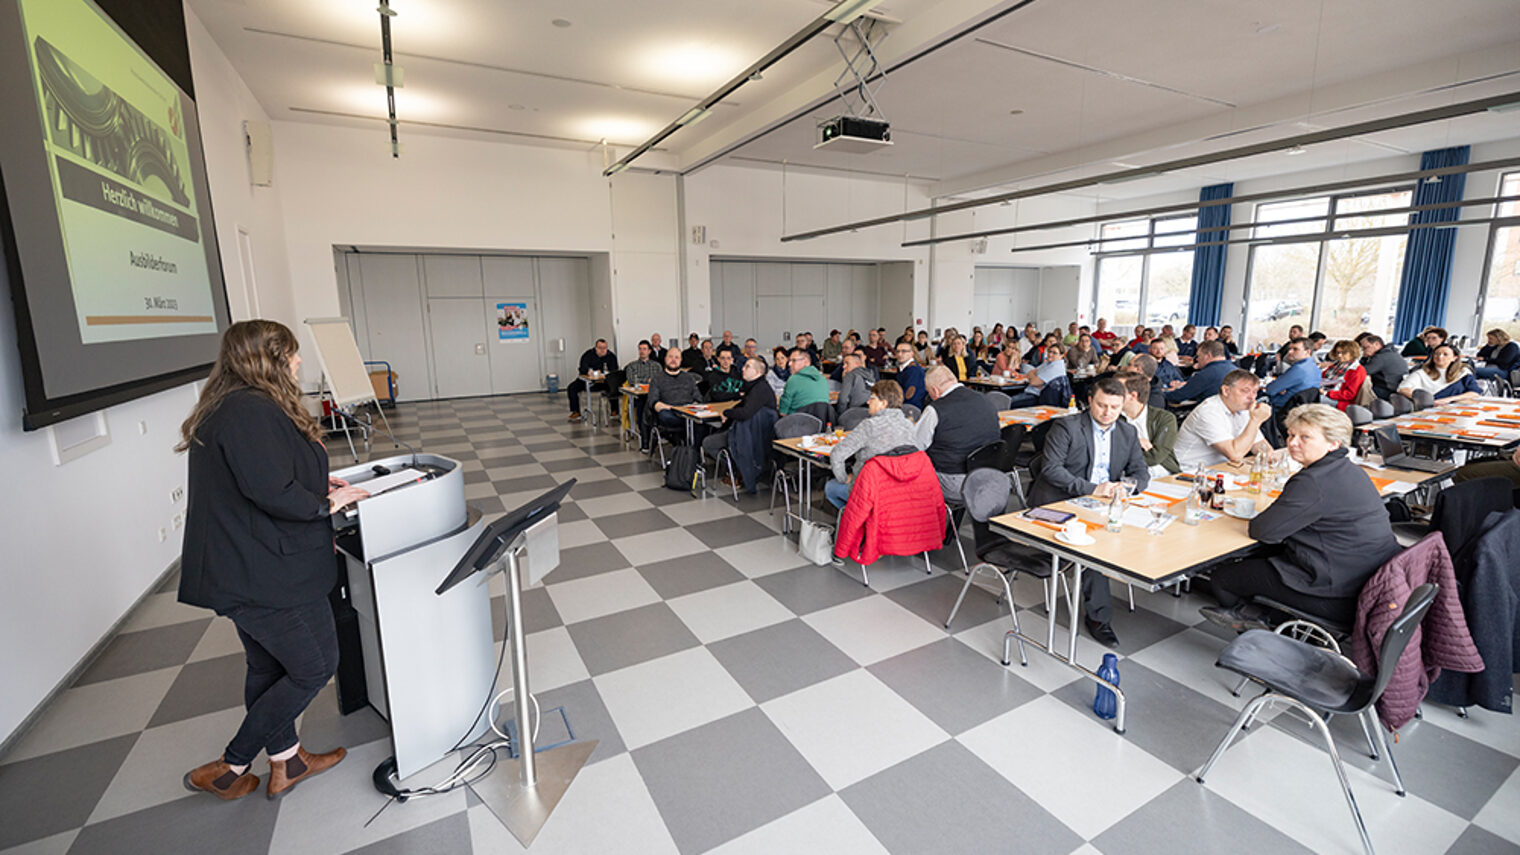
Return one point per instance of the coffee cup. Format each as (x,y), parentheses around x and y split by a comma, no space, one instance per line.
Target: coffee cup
(1074,529)
(1245,507)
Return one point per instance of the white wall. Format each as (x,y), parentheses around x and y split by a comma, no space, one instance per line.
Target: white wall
(82,543)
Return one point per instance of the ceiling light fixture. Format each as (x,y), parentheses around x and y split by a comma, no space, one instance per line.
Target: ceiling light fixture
(1295,151)
(388,74)
(561,23)
(849,10)
(693,116)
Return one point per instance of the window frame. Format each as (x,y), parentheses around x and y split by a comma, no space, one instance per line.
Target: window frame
(1494,228)
(1145,252)
(1323,237)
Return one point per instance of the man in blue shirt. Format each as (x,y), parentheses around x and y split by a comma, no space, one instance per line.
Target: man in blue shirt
(1209,368)
(1303,373)
(910,376)
(1166,372)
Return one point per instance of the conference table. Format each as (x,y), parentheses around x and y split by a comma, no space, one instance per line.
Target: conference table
(1135,556)
(1486,424)
(701,413)
(631,394)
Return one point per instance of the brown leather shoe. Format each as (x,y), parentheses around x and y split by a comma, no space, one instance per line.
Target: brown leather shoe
(218,779)
(281,777)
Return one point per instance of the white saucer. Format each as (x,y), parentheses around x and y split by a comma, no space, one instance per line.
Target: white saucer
(1086,539)
(1232,512)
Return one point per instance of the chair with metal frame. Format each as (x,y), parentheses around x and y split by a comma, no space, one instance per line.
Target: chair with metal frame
(851,418)
(1000,400)
(1319,681)
(789,427)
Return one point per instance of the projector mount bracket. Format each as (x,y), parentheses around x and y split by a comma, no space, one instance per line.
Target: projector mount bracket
(856,42)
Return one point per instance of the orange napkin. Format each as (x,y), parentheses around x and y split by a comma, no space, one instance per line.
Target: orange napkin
(1381,483)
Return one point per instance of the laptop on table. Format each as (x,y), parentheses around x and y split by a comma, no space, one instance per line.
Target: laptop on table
(1392,449)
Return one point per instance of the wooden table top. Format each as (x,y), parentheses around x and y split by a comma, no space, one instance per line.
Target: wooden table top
(997,381)
(1484,422)
(704,412)
(1031,415)
(794,447)
(635,391)
(1155,561)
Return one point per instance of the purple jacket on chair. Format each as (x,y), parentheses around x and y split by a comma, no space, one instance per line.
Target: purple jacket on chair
(1441,641)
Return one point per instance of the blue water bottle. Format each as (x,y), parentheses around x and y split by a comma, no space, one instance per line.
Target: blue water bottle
(1105,704)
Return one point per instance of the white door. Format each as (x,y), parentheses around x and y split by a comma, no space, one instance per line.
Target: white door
(516,363)
(461,358)
(773,322)
(393,310)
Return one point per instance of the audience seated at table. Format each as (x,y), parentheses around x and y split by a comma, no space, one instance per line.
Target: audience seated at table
(829,351)
(1302,373)
(1345,378)
(1227,338)
(1210,365)
(1226,426)
(960,361)
(1498,357)
(846,348)
(656,351)
(779,370)
(641,372)
(692,358)
(1325,535)
(1443,375)
(598,359)
(1147,365)
(1164,351)
(1187,346)
(671,388)
(1157,427)
(1086,454)
(755,395)
(1104,337)
(1421,345)
(732,347)
(957,421)
(910,376)
(1039,376)
(1385,367)
(1296,331)
(855,384)
(722,381)
(806,385)
(1083,356)
(886,428)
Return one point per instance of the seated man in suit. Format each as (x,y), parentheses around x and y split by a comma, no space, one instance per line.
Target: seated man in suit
(1209,367)
(1086,454)
(1157,427)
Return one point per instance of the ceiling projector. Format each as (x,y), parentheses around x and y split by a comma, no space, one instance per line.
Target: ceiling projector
(853,134)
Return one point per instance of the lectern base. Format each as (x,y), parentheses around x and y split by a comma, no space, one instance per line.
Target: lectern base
(524,810)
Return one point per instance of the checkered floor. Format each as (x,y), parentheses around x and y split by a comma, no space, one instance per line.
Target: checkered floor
(747,701)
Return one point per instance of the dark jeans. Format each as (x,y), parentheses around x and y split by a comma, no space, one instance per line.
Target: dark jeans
(576,387)
(291,654)
(1239,581)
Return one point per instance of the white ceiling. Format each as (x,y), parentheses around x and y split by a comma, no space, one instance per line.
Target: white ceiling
(1094,82)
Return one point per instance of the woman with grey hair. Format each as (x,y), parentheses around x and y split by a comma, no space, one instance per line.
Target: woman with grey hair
(1324,536)
(885,429)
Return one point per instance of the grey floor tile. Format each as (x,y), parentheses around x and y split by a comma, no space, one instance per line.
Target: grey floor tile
(809,589)
(569,464)
(203,687)
(170,583)
(634,522)
(539,612)
(186,825)
(934,597)
(1141,628)
(638,467)
(688,574)
(571,512)
(593,489)
(450,834)
(587,715)
(1188,817)
(57,792)
(148,650)
(476,478)
(729,531)
(1476,841)
(502,461)
(718,781)
(630,637)
(323,728)
(531,483)
(1166,718)
(665,496)
(778,660)
(578,562)
(1456,773)
(956,687)
(489,505)
(958,804)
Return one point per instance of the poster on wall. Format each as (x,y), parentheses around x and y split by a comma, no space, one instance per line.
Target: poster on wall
(512,321)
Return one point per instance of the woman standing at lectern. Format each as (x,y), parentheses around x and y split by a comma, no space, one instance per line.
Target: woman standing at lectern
(259,549)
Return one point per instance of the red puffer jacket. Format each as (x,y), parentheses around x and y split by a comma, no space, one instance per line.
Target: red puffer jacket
(895,508)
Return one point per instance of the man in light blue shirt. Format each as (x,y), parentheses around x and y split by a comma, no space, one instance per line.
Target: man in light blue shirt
(1303,373)
(1102,451)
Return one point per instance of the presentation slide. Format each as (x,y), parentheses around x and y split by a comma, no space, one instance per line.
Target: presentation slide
(120,166)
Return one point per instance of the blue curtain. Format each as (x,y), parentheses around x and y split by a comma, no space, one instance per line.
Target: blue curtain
(1208,261)
(1426,284)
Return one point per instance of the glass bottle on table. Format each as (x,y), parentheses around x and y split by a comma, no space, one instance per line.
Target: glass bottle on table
(1116,510)
(1258,473)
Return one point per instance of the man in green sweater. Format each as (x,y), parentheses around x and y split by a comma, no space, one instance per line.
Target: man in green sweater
(805,386)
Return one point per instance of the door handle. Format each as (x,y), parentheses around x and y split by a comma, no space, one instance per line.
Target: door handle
(480,349)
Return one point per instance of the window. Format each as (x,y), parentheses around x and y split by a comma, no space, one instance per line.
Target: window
(1139,276)
(1323,281)
(1501,293)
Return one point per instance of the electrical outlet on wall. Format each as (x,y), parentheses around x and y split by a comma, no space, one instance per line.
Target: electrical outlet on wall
(163,535)
(176,495)
(178,520)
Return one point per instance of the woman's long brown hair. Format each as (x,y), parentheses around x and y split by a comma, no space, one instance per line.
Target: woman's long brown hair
(254,355)
(1453,371)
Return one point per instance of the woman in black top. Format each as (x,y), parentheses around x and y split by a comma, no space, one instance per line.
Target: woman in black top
(259,549)
(1326,534)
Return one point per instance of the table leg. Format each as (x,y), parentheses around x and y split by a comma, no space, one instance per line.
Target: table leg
(1073,597)
(807,490)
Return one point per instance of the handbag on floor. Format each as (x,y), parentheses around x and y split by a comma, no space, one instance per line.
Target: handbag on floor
(815,542)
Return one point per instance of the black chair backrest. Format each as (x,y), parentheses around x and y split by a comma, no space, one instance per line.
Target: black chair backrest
(615,381)
(820,411)
(1036,466)
(1460,509)
(912,412)
(985,492)
(1000,400)
(1013,437)
(1398,635)
(989,456)
(795,425)
(1037,435)
(1423,399)
(851,418)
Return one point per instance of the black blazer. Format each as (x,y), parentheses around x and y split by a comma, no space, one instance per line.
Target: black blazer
(1332,525)
(1069,458)
(257,529)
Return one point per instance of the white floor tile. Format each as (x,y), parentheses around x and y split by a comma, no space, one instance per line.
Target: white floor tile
(728,610)
(1290,785)
(700,511)
(1188,657)
(602,594)
(1075,766)
(653,546)
(1042,671)
(151,774)
(483,490)
(579,533)
(1502,813)
(606,809)
(221,639)
(94,712)
(825,827)
(665,696)
(852,726)
(618,503)
(57,844)
(1496,730)
(758,558)
(871,629)
(553,661)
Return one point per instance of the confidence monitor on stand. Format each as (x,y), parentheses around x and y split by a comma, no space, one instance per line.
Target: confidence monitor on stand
(523,802)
